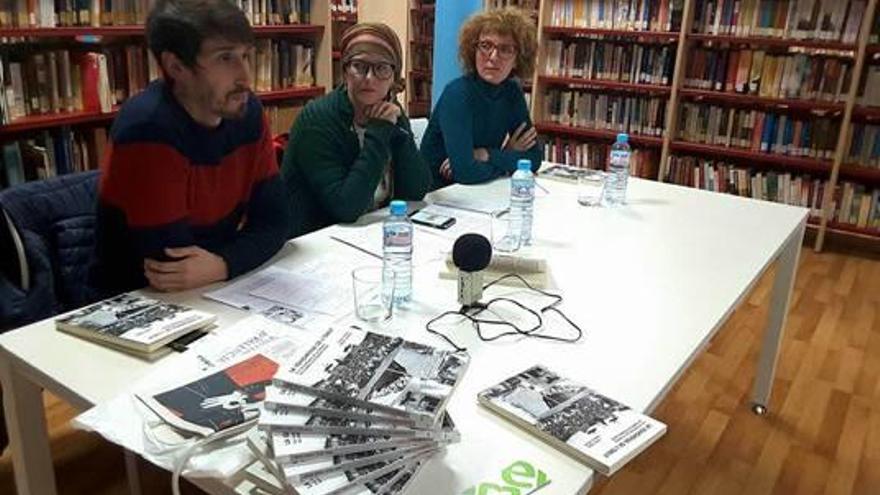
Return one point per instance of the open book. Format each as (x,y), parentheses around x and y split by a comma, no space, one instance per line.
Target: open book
(575,419)
(133,323)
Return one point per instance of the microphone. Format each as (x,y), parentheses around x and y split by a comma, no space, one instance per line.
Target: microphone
(471,253)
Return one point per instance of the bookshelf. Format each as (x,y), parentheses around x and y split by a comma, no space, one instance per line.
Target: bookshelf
(343,14)
(822,128)
(420,57)
(82,127)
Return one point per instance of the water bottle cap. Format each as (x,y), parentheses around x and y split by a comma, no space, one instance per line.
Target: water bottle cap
(524,164)
(622,137)
(398,207)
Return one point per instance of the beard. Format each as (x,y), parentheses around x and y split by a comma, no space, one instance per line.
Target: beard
(233,106)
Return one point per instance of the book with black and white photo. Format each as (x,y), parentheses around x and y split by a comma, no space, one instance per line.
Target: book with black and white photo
(566,173)
(575,419)
(134,323)
(386,374)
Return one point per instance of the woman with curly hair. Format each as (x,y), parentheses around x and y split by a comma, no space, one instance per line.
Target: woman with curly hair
(480,126)
(352,150)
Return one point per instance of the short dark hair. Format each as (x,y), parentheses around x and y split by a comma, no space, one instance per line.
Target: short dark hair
(180,27)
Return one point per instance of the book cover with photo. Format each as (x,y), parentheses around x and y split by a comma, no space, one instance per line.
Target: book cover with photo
(135,323)
(589,426)
(216,401)
(566,173)
(378,372)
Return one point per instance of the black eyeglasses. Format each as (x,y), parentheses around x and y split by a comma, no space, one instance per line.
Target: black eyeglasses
(380,70)
(504,51)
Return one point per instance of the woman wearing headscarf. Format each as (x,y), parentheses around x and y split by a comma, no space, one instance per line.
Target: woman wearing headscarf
(480,127)
(352,150)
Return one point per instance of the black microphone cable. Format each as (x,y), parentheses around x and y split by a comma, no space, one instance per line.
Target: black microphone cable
(471,313)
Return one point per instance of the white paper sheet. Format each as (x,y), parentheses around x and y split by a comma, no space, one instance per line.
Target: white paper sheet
(238,295)
(428,246)
(321,286)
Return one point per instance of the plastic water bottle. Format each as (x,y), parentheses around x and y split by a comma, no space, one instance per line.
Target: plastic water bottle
(618,172)
(397,237)
(522,201)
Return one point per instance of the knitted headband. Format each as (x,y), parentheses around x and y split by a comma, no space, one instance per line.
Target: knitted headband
(375,38)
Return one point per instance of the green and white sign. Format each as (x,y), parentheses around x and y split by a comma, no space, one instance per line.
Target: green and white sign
(519,478)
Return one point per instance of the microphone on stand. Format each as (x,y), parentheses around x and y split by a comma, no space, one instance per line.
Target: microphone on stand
(471,253)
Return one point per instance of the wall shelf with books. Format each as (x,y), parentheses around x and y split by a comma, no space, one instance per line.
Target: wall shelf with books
(762,101)
(603,135)
(138,30)
(640,35)
(768,41)
(343,14)
(420,57)
(39,122)
(578,82)
(804,164)
(65,84)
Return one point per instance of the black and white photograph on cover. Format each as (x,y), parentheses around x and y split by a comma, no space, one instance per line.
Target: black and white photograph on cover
(394,372)
(116,315)
(220,400)
(282,314)
(556,405)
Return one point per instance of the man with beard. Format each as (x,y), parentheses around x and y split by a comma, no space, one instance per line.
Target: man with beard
(190,192)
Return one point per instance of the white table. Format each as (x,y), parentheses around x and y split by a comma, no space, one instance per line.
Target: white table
(650,283)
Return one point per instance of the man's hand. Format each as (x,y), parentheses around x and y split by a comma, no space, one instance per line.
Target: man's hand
(195,268)
(522,138)
(384,111)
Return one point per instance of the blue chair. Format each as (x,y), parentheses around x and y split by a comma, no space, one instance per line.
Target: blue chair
(47,240)
(49,233)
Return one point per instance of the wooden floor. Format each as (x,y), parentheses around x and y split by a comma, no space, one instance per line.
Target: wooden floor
(822,436)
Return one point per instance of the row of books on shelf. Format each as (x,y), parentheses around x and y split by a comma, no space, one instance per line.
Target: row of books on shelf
(759,131)
(610,61)
(422,57)
(869,87)
(56,81)
(626,15)
(344,6)
(644,115)
(529,5)
(756,72)
(420,89)
(864,146)
(66,81)
(280,64)
(94,13)
(796,19)
(590,155)
(852,204)
(50,153)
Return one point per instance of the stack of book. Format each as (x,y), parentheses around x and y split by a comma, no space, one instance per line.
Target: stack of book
(355,410)
(280,64)
(869,88)
(51,153)
(864,146)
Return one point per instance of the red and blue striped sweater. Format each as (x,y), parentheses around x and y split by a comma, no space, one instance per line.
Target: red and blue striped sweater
(167,181)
